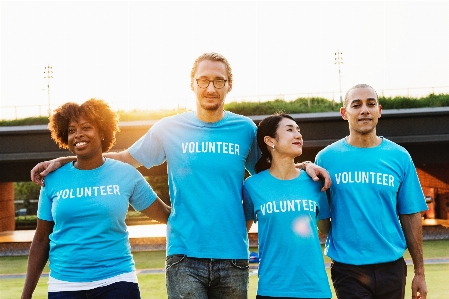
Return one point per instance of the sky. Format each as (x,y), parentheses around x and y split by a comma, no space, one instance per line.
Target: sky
(139,54)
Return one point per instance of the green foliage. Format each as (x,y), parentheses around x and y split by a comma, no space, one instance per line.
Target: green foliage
(147,114)
(300,105)
(159,183)
(432,100)
(29,121)
(26,190)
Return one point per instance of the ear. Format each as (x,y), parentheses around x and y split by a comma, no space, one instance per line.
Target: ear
(380,110)
(229,87)
(191,84)
(343,113)
(268,140)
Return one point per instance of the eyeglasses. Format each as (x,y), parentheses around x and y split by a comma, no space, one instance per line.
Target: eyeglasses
(204,83)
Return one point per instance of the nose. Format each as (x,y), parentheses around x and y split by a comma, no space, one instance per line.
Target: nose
(78,133)
(365,109)
(210,87)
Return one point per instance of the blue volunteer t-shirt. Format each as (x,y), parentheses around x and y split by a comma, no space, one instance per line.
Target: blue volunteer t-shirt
(291,259)
(90,241)
(370,188)
(206,164)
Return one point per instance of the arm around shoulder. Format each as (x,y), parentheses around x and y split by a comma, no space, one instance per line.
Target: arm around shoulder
(123,156)
(316,172)
(41,169)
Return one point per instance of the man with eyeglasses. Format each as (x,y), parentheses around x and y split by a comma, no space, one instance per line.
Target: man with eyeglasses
(206,151)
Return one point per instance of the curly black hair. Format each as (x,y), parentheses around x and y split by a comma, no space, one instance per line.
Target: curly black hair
(96,110)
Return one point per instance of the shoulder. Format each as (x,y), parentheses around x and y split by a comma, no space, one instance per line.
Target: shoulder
(119,166)
(387,144)
(256,178)
(334,146)
(61,171)
(234,117)
(173,118)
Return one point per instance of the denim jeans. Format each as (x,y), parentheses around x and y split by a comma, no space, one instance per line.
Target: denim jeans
(198,278)
(117,290)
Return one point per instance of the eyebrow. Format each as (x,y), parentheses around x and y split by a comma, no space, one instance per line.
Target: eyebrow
(292,126)
(368,99)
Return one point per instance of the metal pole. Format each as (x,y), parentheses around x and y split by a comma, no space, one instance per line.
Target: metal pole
(339,61)
(48,71)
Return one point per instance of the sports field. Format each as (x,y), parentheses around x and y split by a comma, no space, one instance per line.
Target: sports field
(150,265)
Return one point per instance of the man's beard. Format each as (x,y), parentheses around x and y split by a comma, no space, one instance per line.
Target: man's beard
(211,107)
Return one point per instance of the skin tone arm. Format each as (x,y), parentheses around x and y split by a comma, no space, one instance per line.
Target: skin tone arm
(249,223)
(158,211)
(412,227)
(38,256)
(324,226)
(39,171)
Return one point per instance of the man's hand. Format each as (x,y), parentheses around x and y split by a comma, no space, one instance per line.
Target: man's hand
(39,171)
(419,287)
(316,172)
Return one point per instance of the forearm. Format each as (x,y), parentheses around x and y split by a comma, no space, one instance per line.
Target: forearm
(37,259)
(249,223)
(123,156)
(412,227)
(324,226)
(158,211)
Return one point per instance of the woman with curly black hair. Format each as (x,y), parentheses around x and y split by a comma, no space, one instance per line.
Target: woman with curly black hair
(82,208)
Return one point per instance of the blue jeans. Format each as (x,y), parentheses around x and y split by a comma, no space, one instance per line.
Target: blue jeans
(118,290)
(201,278)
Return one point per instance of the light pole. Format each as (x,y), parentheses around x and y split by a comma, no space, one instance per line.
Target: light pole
(48,71)
(339,61)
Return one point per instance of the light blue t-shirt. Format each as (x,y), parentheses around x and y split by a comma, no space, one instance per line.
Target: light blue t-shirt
(206,164)
(291,259)
(90,241)
(370,188)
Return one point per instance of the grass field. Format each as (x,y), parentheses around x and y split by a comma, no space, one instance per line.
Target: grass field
(153,285)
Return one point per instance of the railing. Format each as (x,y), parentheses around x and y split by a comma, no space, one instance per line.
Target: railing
(16,112)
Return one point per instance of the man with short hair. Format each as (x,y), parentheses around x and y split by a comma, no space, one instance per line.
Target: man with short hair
(207,151)
(375,202)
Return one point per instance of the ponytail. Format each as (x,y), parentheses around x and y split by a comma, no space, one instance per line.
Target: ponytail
(263,163)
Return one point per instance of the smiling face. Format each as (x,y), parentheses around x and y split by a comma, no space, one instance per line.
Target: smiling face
(288,139)
(84,138)
(210,98)
(362,111)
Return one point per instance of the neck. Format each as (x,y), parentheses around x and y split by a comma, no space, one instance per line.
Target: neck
(210,116)
(363,140)
(89,164)
(284,168)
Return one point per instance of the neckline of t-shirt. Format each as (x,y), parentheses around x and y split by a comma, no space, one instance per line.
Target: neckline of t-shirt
(365,148)
(106,160)
(210,124)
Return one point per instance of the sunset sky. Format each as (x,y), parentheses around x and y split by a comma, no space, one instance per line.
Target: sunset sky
(139,53)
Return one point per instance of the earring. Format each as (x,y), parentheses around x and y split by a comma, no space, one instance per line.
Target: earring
(272,146)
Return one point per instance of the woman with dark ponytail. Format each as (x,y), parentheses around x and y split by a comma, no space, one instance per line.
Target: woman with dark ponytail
(288,206)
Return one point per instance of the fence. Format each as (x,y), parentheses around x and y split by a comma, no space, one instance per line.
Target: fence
(17,112)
